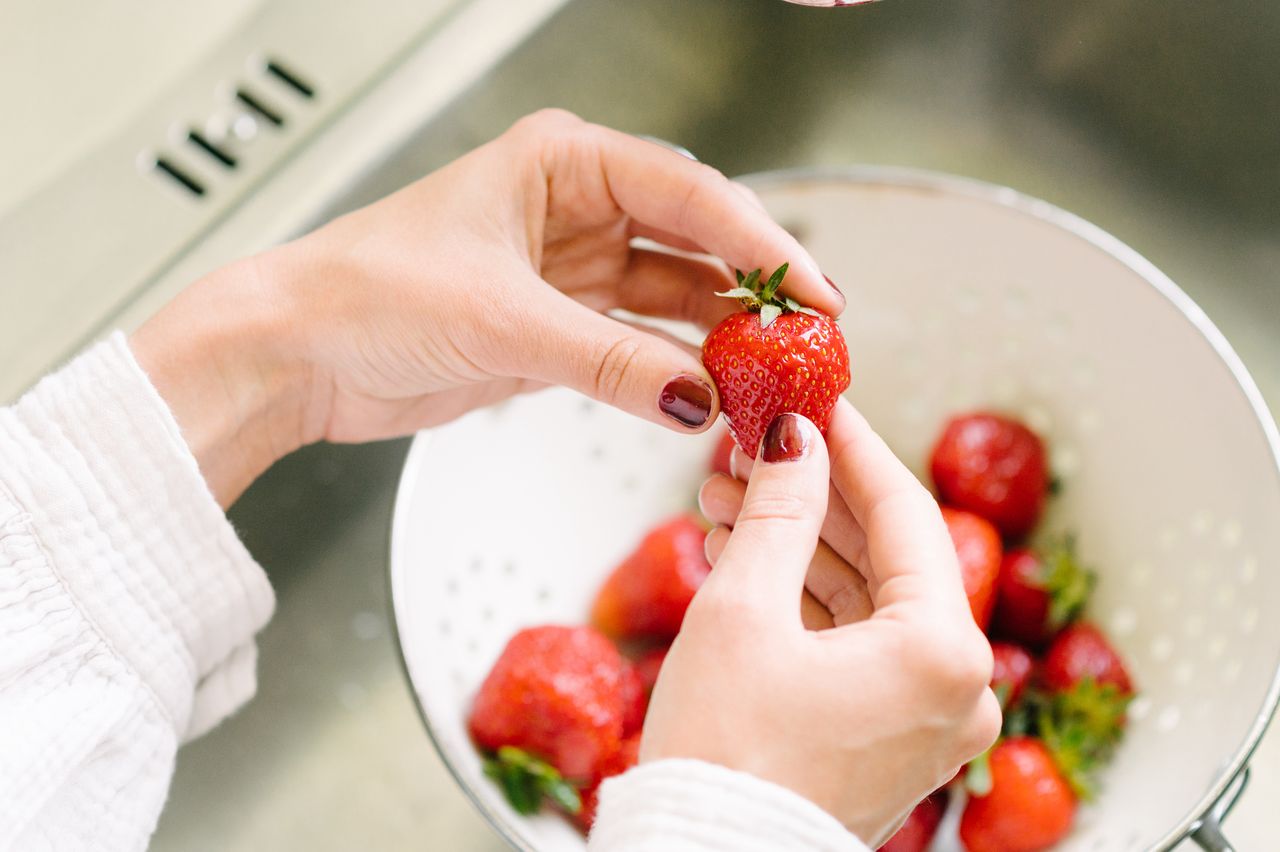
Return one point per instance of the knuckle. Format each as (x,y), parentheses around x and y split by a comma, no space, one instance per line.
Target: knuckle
(979,730)
(986,724)
(550,121)
(615,366)
(707,182)
(957,663)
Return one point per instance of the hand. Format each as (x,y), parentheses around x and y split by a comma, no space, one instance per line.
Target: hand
(487,278)
(867,717)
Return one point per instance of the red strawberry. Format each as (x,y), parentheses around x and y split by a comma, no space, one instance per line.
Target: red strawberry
(978,549)
(994,466)
(649,664)
(586,815)
(776,357)
(647,594)
(558,693)
(1030,806)
(921,825)
(627,758)
(635,699)
(1039,593)
(1013,668)
(720,457)
(1081,652)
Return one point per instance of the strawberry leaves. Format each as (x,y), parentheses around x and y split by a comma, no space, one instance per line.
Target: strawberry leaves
(764,299)
(1081,727)
(1068,583)
(526,780)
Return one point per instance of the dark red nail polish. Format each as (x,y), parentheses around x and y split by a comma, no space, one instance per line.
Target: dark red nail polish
(786,440)
(686,400)
(833,286)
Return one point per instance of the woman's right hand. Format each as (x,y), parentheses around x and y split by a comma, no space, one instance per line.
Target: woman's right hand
(867,717)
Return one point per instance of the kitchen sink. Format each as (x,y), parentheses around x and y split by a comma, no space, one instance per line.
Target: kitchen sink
(1159,122)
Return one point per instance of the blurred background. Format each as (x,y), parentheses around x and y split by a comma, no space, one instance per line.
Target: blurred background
(148,142)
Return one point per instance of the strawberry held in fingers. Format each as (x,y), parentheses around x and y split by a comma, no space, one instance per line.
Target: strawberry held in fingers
(773,358)
(978,550)
(993,466)
(1030,805)
(646,595)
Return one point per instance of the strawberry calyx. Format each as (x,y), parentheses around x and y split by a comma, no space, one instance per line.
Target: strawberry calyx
(1067,582)
(763,298)
(1081,727)
(526,780)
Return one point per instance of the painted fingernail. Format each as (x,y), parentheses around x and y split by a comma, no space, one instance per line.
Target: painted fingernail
(786,440)
(833,286)
(686,400)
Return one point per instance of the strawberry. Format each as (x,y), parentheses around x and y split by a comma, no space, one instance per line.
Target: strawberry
(776,357)
(558,694)
(720,456)
(627,757)
(1080,712)
(647,594)
(1081,652)
(978,550)
(1014,666)
(921,825)
(635,699)
(1030,805)
(993,466)
(1040,592)
(649,665)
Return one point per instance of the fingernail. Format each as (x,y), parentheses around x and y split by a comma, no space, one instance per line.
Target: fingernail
(833,286)
(786,440)
(686,400)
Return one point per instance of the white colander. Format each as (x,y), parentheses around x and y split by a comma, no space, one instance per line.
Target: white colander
(961,295)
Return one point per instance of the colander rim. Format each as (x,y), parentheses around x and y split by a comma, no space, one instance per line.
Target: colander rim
(953,185)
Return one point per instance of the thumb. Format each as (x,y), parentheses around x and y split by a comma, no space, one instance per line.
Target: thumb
(640,372)
(776,534)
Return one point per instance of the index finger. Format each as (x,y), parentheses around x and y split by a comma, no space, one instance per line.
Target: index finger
(912,559)
(673,194)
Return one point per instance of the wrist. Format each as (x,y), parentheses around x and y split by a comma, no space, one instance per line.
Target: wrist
(223,357)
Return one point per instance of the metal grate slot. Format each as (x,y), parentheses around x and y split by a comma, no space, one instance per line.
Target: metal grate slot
(180,177)
(198,139)
(290,79)
(254,103)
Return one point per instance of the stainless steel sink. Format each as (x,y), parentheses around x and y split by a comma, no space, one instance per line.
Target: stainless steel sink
(1160,122)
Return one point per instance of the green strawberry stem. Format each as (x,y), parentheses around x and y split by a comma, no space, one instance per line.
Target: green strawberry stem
(764,299)
(977,777)
(526,780)
(1068,582)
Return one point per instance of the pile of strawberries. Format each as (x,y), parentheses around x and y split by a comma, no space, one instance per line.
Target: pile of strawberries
(1063,687)
(563,707)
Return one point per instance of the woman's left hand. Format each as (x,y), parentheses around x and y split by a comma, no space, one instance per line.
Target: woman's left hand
(487,278)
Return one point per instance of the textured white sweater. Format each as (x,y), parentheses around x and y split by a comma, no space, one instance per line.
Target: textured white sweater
(128,610)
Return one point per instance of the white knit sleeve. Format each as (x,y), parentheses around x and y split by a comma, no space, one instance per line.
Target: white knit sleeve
(691,806)
(128,607)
